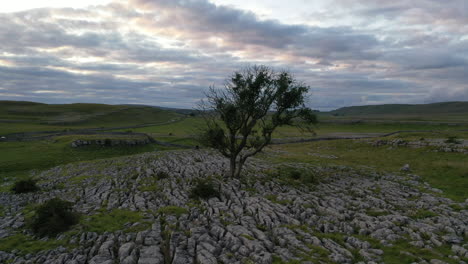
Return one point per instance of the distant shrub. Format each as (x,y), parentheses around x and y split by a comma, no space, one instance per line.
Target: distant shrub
(25,186)
(53,217)
(107,142)
(298,174)
(452,140)
(162,175)
(204,189)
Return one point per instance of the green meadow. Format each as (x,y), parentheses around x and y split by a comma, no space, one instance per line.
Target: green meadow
(447,171)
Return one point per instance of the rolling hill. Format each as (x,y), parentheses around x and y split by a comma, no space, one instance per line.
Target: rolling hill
(31,116)
(404,109)
(446,111)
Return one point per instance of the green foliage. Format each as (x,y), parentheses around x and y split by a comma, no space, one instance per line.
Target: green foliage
(452,140)
(53,217)
(25,186)
(111,221)
(204,189)
(173,210)
(241,119)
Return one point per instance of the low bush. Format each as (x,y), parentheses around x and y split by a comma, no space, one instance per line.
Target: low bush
(452,140)
(53,217)
(162,175)
(25,186)
(297,174)
(204,189)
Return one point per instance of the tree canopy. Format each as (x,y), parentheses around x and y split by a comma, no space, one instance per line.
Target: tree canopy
(241,118)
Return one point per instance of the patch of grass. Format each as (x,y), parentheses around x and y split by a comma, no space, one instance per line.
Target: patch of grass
(79,179)
(457,207)
(173,210)
(326,128)
(421,214)
(295,176)
(376,213)
(110,221)
(402,252)
(274,198)
(337,237)
(150,187)
(17,159)
(184,127)
(27,244)
(377,190)
(304,228)
(445,171)
(316,250)
(248,237)
(262,228)
(278,260)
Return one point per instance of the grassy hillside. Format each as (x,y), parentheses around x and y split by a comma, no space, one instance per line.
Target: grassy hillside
(447,111)
(29,116)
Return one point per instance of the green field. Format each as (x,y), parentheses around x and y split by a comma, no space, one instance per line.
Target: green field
(19,159)
(447,171)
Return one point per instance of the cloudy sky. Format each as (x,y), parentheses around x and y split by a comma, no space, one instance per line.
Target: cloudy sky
(167,52)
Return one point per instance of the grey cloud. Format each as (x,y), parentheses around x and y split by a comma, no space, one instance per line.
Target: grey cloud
(26,81)
(443,95)
(450,12)
(201,19)
(417,59)
(344,65)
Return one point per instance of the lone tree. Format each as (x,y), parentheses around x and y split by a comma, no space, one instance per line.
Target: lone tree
(241,118)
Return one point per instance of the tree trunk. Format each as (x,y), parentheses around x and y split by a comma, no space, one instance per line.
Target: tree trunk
(240,164)
(233,166)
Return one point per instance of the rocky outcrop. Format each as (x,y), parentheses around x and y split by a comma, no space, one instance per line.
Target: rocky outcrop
(350,216)
(110,142)
(436,144)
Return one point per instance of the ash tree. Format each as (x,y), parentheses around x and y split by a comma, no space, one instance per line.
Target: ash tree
(241,118)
